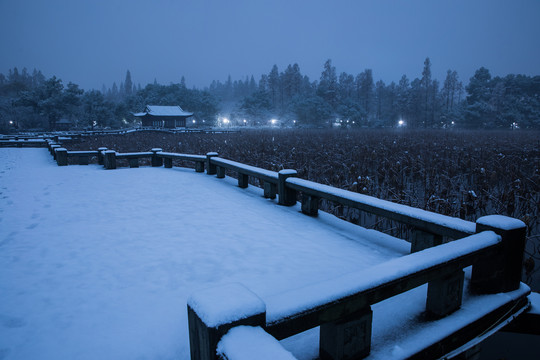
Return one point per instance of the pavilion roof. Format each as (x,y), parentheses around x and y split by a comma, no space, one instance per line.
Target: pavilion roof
(158,110)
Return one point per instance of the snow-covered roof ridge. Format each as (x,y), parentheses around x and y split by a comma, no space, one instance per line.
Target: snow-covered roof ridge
(162,110)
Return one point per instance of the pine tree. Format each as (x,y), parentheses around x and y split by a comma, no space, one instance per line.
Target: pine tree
(328,85)
(274,85)
(128,84)
(364,88)
(426,88)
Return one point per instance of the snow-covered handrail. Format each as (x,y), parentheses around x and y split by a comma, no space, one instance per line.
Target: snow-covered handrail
(168,158)
(425,220)
(304,308)
(23,142)
(217,166)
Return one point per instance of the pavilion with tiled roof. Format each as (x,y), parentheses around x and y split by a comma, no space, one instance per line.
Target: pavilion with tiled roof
(163,116)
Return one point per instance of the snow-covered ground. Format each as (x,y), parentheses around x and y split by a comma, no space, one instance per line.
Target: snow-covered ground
(100,264)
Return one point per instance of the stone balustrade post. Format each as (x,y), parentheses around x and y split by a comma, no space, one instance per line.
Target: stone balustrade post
(209,318)
(501,272)
(61,156)
(211,168)
(53,150)
(100,157)
(156,161)
(109,160)
(287,196)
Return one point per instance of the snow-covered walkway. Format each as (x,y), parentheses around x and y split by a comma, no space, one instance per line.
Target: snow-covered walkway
(99,264)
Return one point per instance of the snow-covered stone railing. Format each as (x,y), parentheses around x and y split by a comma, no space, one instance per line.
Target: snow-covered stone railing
(108,158)
(269,178)
(63,155)
(342,307)
(23,142)
(429,227)
(168,158)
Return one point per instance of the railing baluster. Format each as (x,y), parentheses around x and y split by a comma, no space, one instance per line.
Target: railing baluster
(243,180)
(61,156)
(310,204)
(422,240)
(445,295)
(270,190)
(349,338)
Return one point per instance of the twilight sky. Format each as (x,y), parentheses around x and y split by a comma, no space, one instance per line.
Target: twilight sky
(94,42)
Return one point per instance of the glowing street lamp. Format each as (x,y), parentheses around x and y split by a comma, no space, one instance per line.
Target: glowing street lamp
(401,122)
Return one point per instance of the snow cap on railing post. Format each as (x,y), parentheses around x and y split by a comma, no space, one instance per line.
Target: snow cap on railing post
(211,168)
(286,196)
(156,161)
(213,312)
(53,150)
(61,156)
(502,272)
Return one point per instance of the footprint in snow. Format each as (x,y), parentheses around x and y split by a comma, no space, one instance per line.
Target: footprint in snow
(4,353)
(32,226)
(11,322)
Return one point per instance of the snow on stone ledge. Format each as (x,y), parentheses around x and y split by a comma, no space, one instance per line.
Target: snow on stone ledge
(248,343)
(288,172)
(224,304)
(534,297)
(294,302)
(501,222)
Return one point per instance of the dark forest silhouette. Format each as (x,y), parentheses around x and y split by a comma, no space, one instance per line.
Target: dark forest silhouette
(31,101)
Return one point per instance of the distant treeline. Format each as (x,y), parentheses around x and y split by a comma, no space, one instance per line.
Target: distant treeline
(30,101)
